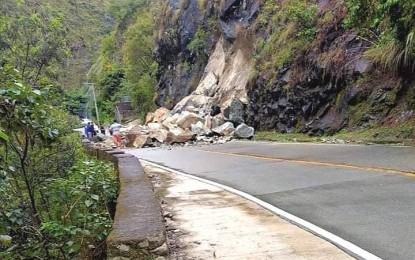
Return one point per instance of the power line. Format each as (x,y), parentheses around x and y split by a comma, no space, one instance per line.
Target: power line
(90,86)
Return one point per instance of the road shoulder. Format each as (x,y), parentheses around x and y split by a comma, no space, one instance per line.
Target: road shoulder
(206,222)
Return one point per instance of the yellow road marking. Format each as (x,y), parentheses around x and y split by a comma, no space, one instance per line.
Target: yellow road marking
(327,164)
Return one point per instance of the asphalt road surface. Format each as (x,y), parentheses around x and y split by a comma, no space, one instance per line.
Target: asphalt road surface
(363,194)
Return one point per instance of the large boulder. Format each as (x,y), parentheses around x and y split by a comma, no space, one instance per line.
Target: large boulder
(227,129)
(161,114)
(234,111)
(217,121)
(170,127)
(135,129)
(186,120)
(198,128)
(176,130)
(155,126)
(192,109)
(172,119)
(161,135)
(192,103)
(149,117)
(130,138)
(135,132)
(133,124)
(182,136)
(142,141)
(244,131)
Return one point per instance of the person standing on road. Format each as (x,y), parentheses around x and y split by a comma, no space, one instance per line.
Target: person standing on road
(109,130)
(116,134)
(93,132)
(88,130)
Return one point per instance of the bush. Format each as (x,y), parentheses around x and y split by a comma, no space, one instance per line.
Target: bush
(49,209)
(197,45)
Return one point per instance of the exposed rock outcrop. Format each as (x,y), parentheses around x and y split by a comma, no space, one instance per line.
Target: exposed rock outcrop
(212,63)
(212,82)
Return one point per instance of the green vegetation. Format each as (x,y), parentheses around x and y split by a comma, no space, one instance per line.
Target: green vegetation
(53,196)
(32,42)
(389,26)
(197,45)
(327,42)
(291,30)
(75,102)
(50,208)
(126,66)
(391,134)
(53,43)
(123,9)
(359,113)
(286,137)
(59,38)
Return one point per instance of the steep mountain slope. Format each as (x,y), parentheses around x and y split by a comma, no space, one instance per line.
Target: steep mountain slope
(87,23)
(296,66)
(64,35)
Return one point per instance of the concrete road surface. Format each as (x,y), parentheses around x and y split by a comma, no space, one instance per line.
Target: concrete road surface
(363,194)
(204,222)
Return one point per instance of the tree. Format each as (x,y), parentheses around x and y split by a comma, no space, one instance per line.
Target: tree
(123,9)
(137,51)
(49,209)
(33,41)
(35,149)
(23,116)
(127,66)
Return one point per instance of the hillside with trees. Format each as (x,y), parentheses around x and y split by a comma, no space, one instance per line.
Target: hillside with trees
(54,197)
(126,65)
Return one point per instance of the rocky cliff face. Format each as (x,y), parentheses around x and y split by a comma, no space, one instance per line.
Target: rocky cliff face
(299,73)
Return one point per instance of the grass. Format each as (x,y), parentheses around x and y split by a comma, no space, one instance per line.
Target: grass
(403,134)
(160,194)
(385,51)
(400,134)
(359,112)
(279,137)
(290,26)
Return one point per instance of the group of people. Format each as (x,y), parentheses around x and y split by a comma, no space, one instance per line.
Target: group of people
(114,130)
(89,130)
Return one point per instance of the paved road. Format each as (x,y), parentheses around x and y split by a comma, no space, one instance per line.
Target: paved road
(364,194)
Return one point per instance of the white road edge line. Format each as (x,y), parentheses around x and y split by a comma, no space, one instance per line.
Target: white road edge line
(338,241)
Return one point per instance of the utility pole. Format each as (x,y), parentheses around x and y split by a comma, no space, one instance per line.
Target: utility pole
(91,85)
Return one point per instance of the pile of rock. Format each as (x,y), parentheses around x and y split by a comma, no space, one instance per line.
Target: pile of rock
(164,127)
